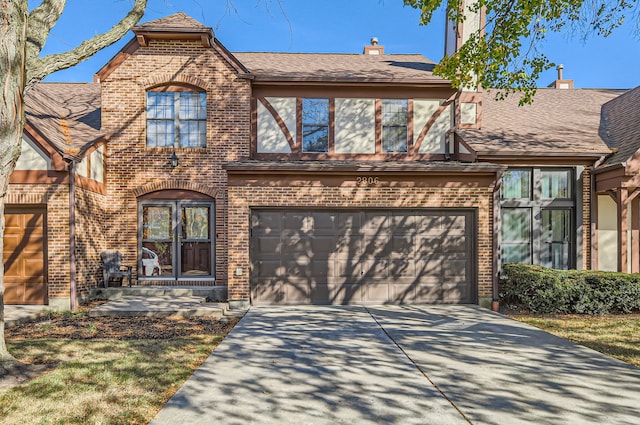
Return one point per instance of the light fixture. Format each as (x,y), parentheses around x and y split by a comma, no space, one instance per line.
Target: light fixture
(173,160)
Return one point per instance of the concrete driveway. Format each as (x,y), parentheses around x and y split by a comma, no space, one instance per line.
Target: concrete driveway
(401,365)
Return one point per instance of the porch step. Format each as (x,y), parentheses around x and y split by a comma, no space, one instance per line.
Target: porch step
(163,306)
(212,293)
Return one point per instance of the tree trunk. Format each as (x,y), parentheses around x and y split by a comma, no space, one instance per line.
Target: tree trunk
(13,29)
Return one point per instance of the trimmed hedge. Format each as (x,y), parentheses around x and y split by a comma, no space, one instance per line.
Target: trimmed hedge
(542,290)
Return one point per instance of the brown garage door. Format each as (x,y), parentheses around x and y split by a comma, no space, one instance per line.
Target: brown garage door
(362,256)
(24,251)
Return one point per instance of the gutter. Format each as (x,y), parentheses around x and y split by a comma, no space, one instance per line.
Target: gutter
(73,262)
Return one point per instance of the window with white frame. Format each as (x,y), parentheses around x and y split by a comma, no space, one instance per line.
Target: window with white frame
(176,119)
(537,217)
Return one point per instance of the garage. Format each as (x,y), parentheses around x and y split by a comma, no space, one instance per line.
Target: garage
(364,256)
(24,254)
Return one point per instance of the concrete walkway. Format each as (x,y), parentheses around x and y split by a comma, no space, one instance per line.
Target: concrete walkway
(401,365)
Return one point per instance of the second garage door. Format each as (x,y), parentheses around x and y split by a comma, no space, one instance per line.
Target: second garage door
(362,256)
(24,253)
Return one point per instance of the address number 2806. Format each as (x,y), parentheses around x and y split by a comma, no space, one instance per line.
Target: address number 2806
(367,180)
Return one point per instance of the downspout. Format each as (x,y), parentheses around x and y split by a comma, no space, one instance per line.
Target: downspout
(497,260)
(72,233)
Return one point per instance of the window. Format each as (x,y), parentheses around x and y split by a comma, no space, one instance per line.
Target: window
(556,184)
(556,238)
(315,125)
(394,125)
(537,213)
(516,235)
(176,119)
(516,184)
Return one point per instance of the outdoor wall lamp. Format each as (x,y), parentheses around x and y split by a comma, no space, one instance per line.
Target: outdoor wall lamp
(173,160)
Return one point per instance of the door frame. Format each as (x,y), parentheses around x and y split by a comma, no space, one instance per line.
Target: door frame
(176,205)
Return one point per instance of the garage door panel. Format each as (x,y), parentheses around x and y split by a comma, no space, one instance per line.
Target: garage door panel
(403,245)
(376,293)
(320,269)
(320,293)
(268,268)
(345,294)
(402,293)
(345,268)
(378,245)
(368,256)
(401,267)
(376,268)
(268,244)
(403,222)
(267,223)
(297,292)
(268,291)
(375,222)
(24,255)
(455,244)
(429,245)
(428,293)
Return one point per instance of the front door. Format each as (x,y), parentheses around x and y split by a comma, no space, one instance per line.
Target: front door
(176,240)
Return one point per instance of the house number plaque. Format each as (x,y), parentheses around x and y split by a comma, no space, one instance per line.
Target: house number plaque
(367,180)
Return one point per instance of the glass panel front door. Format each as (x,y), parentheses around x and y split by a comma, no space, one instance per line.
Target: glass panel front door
(176,239)
(195,242)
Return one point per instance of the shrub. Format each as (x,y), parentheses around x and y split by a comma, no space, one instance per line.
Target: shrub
(542,290)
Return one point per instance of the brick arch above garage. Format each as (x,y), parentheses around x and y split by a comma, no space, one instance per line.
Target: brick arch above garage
(175,185)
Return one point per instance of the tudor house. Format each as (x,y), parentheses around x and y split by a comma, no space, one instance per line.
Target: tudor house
(312,178)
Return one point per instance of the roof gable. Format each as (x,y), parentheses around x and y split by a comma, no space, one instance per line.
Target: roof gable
(620,128)
(178,26)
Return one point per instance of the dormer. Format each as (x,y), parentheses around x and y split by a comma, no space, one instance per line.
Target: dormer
(175,27)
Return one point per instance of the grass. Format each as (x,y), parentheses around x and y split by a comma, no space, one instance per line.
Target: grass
(615,336)
(105,381)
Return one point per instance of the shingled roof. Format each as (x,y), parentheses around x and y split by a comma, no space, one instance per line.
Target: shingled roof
(178,22)
(558,121)
(66,114)
(620,126)
(321,67)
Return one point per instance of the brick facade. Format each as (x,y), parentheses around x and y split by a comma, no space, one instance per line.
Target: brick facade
(341,191)
(108,214)
(134,170)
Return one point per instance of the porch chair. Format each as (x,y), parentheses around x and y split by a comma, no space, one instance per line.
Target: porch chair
(112,267)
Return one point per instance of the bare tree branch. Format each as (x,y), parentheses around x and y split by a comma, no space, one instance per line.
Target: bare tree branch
(41,20)
(38,68)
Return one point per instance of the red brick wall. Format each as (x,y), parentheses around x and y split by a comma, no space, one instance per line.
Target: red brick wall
(90,227)
(307,192)
(132,166)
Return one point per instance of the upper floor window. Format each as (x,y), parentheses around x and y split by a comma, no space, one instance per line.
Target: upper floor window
(176,119)
(315,125)
(394,125)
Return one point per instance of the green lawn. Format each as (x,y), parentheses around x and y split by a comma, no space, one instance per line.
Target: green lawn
(616,336)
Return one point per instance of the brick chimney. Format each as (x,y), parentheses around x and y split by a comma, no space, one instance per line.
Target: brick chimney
(373,49)
(561,83)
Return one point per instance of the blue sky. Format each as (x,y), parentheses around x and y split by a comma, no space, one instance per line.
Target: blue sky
(344,26)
